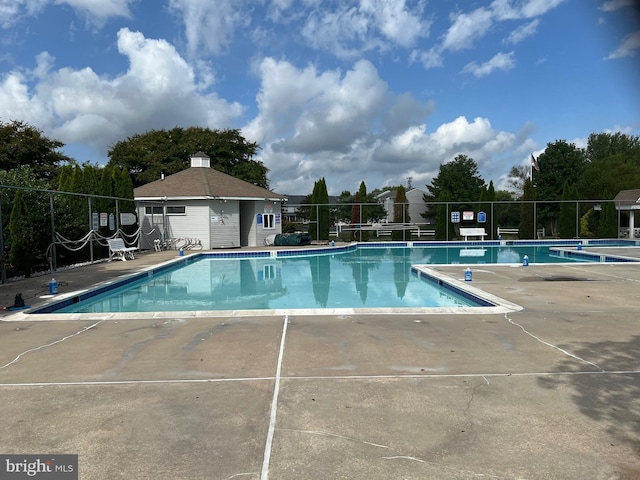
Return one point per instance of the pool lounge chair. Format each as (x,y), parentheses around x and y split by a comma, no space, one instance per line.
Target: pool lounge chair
(118,249)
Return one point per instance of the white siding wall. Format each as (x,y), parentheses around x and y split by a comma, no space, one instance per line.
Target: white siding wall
(260,232)
(193,225)
(224,224)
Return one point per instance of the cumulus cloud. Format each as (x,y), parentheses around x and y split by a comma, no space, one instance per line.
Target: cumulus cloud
(349,30)
(159,90)
(347,125)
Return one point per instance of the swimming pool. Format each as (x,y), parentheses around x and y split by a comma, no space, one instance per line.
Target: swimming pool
(363,276)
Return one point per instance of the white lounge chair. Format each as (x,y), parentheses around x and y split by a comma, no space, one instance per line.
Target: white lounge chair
(118,249)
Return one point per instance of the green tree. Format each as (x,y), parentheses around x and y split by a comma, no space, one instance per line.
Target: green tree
(29,234)
(527,229)
(444,229)
(608,224)
(401,214)
(461,180)
(613,165)
(24,145)
(21,177)
(319,213)
(364,210)
(146,156)
(560,163)
(568,215)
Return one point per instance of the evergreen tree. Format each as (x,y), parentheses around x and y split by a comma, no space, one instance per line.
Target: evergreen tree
(567,219)
(527,229)
(24,233)
(608,225)
(364,210)
(401,214)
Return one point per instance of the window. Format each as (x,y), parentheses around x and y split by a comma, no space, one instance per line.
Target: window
(153,210)
(176,210)
(171,210)
(268,221)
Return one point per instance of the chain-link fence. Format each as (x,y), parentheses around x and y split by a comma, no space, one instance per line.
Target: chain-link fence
(46,229)
(443,220)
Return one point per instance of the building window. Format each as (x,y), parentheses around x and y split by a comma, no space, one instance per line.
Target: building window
(176,210)
(153,210)
(171,210)
(268,221)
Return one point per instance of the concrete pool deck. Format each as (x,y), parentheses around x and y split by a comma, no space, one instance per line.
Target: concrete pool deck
(548,392)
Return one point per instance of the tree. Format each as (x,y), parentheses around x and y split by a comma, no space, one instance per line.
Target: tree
(364,210)
(560,163)
(527,229)
(23,177)
(319,214)
(24,145)
(608,225)
(29,234)
(146,156)
(461,180)
(568,215)
(613,165)
(401,214)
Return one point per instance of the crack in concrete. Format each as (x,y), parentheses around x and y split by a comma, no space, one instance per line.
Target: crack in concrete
(562,350)
(399,455)
(31,350)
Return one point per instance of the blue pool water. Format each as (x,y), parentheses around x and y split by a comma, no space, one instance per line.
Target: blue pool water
(366,277)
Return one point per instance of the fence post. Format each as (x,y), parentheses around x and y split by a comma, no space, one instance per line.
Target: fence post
(54,265)
(90,229)
(3,267)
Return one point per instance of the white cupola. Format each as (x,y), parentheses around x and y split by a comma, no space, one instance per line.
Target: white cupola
(200,159)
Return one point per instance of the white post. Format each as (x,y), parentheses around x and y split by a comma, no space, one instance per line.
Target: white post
(631,223)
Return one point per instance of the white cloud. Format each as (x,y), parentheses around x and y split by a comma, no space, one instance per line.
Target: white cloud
(209,25)
(509,10)
(100,10)
(395,21)
(95,11)
(522,32)
(500,61)
(349,30)
(159,90)
(627,48)
(466,28)
(344,126)
(613,5)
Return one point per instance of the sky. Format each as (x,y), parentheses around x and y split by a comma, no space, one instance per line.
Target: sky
(380,91)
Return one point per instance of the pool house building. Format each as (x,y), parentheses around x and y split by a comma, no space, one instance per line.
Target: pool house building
(203,207)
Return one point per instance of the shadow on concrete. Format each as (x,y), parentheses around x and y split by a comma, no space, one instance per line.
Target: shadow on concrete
(611,396)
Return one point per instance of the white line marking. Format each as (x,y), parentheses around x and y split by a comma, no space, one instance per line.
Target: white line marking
(15,360)
(319,377)
(274,406)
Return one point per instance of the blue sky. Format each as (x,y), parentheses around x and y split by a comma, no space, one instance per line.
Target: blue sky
(373,90)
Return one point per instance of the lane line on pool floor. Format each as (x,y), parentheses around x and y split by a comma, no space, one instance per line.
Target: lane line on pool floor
(264,475)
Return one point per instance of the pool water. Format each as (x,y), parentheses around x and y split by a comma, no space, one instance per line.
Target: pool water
(364,278)
(367,277)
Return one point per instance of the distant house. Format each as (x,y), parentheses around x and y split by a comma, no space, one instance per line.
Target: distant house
(628,201)
(417,206)
(207,207)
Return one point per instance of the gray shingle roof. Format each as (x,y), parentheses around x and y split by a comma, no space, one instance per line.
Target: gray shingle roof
(203,182)
(628,197)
